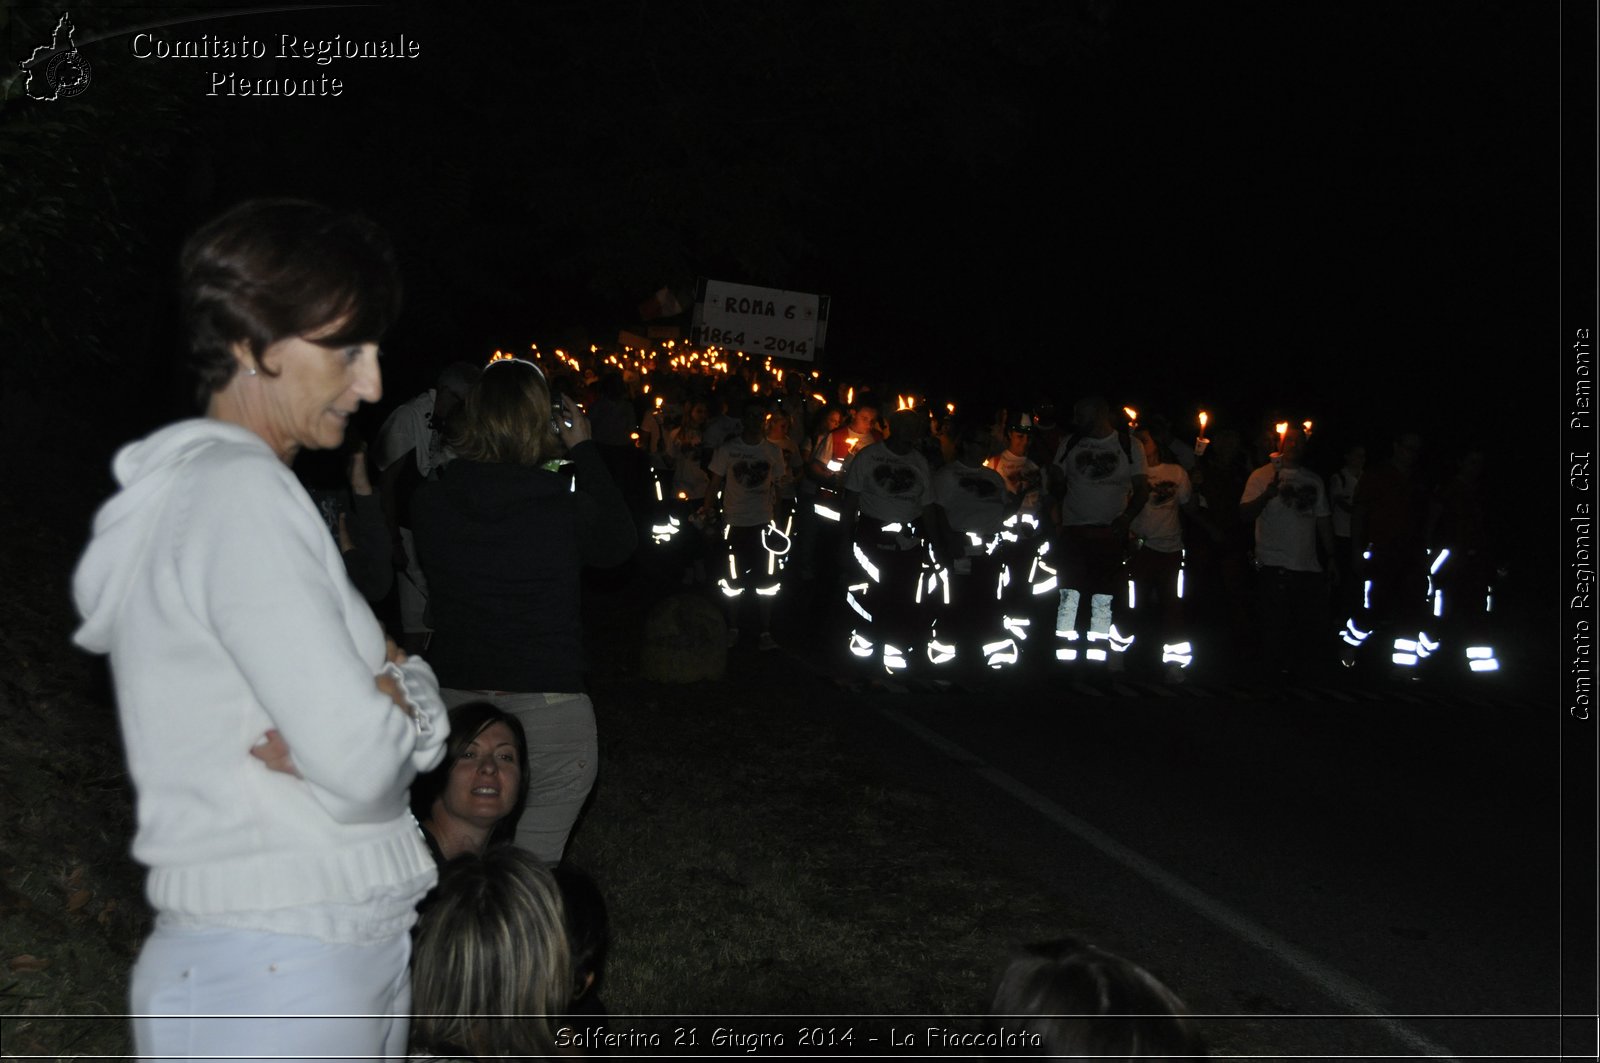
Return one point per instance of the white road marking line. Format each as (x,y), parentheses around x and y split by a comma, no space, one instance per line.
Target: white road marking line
(1340,987)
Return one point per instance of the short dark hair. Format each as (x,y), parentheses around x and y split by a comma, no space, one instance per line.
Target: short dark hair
(1082,1002)
(271,269)
(468,721)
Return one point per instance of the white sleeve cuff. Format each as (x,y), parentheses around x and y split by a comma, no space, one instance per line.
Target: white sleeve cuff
(431,720)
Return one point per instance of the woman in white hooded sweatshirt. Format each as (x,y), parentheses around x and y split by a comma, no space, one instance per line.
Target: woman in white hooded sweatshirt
(271,730)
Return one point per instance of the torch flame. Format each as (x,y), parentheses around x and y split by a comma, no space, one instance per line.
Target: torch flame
(904,402)
(1307,426)
(1133,416)
(850,396)
(1203,420)
(950,408)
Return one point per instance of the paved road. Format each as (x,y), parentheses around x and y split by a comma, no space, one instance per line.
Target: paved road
(1276,852)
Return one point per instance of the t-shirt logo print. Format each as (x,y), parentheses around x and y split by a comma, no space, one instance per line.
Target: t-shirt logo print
(1163,491)
(1298,497)
(1095,464)
(896,480)
(752,474)
(979,487)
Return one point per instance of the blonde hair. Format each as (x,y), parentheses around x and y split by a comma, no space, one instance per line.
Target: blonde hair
(506,417)
(492,966)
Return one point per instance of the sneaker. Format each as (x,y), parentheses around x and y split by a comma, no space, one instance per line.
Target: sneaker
(767,642)
(733,637)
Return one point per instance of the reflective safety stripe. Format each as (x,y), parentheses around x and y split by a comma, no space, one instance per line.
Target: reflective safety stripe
(893,659)
(894,527)
(1407,659)
(1000,654)
(1119,641)
(939,652)
(1046,587)
(866,564)
(1444,553)
(1131,604)
(854,603)
(1066,653)
(1426,644)
(1406,645)
(860,646)
(731,592)
(768,592)
(1490,665)
(1018,626)
(1095,655)
(1181,567)
(1366,594)
(827,512)
(1480,653)
(1178,653)
(1438,603)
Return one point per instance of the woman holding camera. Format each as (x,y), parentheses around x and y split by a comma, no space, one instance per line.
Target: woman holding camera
(503,535)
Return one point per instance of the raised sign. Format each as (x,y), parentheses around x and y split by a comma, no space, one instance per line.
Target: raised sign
(760,321)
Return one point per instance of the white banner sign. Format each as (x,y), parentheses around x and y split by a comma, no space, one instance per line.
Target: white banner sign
(761,321)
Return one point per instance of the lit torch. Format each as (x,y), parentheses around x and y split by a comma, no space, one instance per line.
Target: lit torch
(1307,426)
(1283,433)
(1200,441)
(1133,416)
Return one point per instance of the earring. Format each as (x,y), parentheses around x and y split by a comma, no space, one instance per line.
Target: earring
(249,372)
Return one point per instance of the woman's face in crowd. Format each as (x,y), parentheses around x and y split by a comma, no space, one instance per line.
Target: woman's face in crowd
(835,419)
(484,780)
(317,389)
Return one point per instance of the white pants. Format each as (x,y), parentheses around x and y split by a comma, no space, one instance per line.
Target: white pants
(207,994)
(563,761)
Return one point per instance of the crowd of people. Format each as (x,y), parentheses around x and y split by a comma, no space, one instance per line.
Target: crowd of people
(930,541)
(308,784)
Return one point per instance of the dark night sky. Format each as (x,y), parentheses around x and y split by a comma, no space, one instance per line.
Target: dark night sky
(1339,210)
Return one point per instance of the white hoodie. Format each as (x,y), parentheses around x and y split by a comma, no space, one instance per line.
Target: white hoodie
(223,602)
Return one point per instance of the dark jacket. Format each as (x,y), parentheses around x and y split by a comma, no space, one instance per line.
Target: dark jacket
(502,547)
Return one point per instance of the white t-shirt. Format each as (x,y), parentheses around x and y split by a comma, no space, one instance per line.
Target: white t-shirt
(750,473)
(1286,530)
(1342,489)
(892,487)
(688,478)
(791,466)
(410,429)
(973,499)
(1099,478)
(1013,469)
(1157,523)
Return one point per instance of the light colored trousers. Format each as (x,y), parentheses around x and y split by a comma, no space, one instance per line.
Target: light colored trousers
(563,761)
(210,994)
